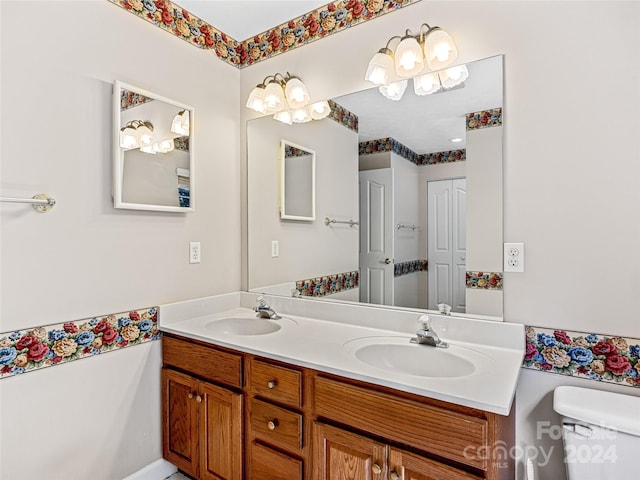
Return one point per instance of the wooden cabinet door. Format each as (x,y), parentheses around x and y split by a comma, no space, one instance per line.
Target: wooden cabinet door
(342,455)
(180,425)
(408,466)
(221,433)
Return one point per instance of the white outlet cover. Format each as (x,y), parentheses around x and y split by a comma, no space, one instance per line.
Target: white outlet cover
(514,257)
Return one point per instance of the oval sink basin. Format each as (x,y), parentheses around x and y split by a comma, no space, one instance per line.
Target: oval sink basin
(246,325)
(398,355)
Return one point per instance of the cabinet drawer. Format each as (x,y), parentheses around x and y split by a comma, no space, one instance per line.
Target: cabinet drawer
(267,464)
(428,428)
(207,362)
(275,425)
(276,383)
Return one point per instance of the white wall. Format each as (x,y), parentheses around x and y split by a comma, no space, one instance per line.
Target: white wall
(336,149)
(99,418)
(571,175)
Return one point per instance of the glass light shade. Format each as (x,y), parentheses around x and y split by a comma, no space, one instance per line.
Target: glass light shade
(180,123)
(426,84)
(165,146)
(273,98)
(408,57)
(380,67)
(256,99)
(453,76)
(284,116)
(319,110)
(152,149)
(145,136)
(296,93)
(301,115)
(128,137)
(439,49)
(395,90)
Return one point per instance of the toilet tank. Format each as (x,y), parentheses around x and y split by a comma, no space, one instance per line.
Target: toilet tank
(601,433)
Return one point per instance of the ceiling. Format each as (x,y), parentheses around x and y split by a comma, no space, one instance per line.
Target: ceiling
(242,19)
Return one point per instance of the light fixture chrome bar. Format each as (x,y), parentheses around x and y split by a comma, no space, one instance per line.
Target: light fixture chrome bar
(400,225)
(351,223)
(40,202)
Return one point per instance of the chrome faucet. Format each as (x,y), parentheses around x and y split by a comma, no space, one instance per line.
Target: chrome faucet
(265,311)
(426,335)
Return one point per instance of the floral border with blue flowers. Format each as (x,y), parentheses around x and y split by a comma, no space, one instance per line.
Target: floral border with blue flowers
(484,280)
(35,348)
(592,356)
(129,99)
(412,266)
(343,116)
(392,145)
(484,119)
(328,284)
(319,23)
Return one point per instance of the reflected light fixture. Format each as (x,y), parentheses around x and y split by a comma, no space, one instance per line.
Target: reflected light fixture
(416,56)
(136,133)
(277,93)
(314,111)
(163,146)
(180,123)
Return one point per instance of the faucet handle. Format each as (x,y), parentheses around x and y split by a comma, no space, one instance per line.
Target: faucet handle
(261,301)
(424,322)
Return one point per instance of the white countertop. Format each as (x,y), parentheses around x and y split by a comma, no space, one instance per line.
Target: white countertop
(307,338)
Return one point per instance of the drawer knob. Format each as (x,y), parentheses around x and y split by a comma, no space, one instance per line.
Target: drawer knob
(190,395)
(198,399)
(394,475)
(376,469)
(271,384)
(272,424)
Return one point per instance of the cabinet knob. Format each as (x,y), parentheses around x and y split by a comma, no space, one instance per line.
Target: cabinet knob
(272,424)
(271,384)
(190,395)
(198,399)
(376,469)
(394,475)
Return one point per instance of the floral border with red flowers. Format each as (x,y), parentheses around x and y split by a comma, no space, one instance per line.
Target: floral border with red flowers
(484,280)
(328,284)
(129,99)
(392,145)
(343,116)
(484,119)
(319,23)
(585,355)
(35,348)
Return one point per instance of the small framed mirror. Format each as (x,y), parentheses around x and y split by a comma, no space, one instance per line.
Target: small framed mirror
(152,151)
(297,182)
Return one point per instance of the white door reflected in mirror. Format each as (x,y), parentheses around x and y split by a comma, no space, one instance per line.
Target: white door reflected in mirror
(152,151)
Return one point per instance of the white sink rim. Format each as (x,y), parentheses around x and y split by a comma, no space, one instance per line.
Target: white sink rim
(246,325)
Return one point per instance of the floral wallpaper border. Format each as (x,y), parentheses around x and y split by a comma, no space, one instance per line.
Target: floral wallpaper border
(392,145)
(319,23)
(35,348)
(412,266)
(604,358)
(328,284)
(484,280)
(129,99)
(484,119)
(343,116)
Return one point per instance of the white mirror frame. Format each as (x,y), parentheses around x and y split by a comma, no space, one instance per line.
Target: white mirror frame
(118,153)
(283,208)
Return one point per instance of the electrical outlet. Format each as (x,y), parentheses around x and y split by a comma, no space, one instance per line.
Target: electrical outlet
(194,252)
(275,249)
(514,257)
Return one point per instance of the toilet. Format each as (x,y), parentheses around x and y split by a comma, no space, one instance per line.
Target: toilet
(600,432)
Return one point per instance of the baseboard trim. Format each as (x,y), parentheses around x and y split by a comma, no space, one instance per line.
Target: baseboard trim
(158,470)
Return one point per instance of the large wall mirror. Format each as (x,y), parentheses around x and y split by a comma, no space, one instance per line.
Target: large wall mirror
(410,192)
(152,151)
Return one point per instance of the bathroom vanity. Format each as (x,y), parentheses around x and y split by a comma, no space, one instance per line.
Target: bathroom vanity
(235,407)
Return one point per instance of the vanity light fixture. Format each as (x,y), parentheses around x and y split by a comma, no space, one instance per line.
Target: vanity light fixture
(431,49)
(136,133)
(180,123)
(278,92)
(163,146)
